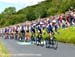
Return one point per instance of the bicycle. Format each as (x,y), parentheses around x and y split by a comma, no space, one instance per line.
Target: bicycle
(54,43)
(51,41)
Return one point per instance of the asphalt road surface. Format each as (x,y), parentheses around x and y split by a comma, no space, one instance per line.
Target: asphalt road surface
(16,49)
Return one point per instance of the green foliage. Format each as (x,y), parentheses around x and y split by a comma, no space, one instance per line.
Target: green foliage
(40,11)
(3,51)
(52,11)
(9,11)
(66,35)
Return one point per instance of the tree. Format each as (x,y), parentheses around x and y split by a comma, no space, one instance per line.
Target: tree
(9,10)
(40,11)
(48,0)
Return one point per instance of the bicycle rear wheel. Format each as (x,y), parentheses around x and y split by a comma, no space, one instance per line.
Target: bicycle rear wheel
(55,44)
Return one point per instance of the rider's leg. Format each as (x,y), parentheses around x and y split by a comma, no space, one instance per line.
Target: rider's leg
(47,42)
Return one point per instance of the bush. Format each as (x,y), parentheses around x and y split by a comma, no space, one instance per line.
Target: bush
(66,35)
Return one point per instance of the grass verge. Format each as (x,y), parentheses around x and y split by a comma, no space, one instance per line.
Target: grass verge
(66,35)
(3,51)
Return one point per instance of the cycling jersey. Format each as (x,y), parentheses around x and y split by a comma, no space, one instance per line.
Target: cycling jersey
(22,29)
(39,30)
(49,29)
(6,30)
(33,29)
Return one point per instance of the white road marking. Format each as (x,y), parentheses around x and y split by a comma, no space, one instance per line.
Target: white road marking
(25,54)
(24,43)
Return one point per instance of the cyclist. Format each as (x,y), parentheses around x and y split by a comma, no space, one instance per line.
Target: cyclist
(16,33)
(13,32)
(50,31)
(32,33)
(6,33)
(27,33)
(39,35)
(22,33)
(19,34)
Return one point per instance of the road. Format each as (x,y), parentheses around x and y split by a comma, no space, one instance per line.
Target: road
(17,50)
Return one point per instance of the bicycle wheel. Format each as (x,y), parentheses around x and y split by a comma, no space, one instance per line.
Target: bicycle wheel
(55,43)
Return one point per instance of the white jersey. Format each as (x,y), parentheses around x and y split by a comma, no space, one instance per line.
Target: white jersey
(26,28)
(29,27)
(19,29)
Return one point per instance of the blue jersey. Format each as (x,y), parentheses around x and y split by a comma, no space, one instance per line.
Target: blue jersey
(49,29)
(6,30)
